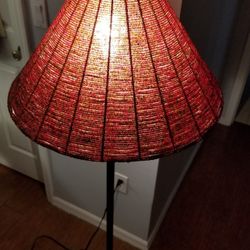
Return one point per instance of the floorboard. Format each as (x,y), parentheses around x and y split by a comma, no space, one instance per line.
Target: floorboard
(211,210)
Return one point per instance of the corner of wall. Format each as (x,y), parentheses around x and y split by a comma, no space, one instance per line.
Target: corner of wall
(171,172)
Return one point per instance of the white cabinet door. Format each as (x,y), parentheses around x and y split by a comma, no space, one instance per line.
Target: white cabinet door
(16,150)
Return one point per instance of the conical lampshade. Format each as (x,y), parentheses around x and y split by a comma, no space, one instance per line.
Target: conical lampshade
(115,80)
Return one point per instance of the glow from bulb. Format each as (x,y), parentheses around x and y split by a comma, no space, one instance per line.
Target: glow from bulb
(117,34)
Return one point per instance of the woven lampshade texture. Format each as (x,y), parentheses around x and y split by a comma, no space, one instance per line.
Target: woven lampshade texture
(115,80)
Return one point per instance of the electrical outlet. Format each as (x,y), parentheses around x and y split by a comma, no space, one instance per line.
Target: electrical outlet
(124,186)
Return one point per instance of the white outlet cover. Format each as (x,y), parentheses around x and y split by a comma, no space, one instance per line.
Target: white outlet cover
(124,187)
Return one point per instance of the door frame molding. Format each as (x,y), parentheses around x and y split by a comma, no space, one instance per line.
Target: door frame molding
(46,167)
(237,64)
(17,14)
(18,25)
(231,107)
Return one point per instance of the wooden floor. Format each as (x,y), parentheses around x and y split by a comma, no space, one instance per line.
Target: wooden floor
(26,214)
(211,210)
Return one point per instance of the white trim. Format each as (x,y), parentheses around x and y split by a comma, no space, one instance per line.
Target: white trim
(93,219)
(244,113)
(18,7)
(16,34)
(172,195)
(19,150)
(224,121)
(44,159)
(228,116)
(8,68)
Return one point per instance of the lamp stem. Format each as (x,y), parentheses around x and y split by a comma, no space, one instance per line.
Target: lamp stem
(110,204)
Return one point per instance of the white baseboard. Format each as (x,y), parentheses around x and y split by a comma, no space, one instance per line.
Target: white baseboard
(172,195)
(244,113)
(225,121)
(93,219)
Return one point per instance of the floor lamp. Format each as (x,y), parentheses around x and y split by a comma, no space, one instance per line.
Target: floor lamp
(115,80)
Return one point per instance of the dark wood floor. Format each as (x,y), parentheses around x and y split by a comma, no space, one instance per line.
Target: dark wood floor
(26,214)
(211,210)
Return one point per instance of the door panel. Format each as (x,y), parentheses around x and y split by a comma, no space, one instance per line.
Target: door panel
(11,12)
(16,150)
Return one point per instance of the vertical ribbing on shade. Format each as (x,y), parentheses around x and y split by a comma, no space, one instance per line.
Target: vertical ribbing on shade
(133,81)
(175,69)
(60,75)
(115,80)
(107,79)
(81,84)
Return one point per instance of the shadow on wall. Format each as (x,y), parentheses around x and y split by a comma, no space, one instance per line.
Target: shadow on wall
(35,33)
(246,93)
(209,24)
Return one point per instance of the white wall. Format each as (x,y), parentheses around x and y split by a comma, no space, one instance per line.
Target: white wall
(237,68)
(34,33)
(171,171)
(53,7)
(220,30)
(83,184)
(209,23)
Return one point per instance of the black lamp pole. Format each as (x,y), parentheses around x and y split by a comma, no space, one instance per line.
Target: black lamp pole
(110,204)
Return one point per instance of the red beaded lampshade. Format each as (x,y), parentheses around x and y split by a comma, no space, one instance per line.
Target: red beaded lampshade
(115,80)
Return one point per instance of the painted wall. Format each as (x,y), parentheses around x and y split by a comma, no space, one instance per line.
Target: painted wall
(209,24)
(35,33)
(220,30)
(83,184)
(246,93)
(53,7)
(171,171)
(231,83)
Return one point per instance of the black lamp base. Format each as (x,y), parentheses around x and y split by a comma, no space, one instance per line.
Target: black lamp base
(110,204)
